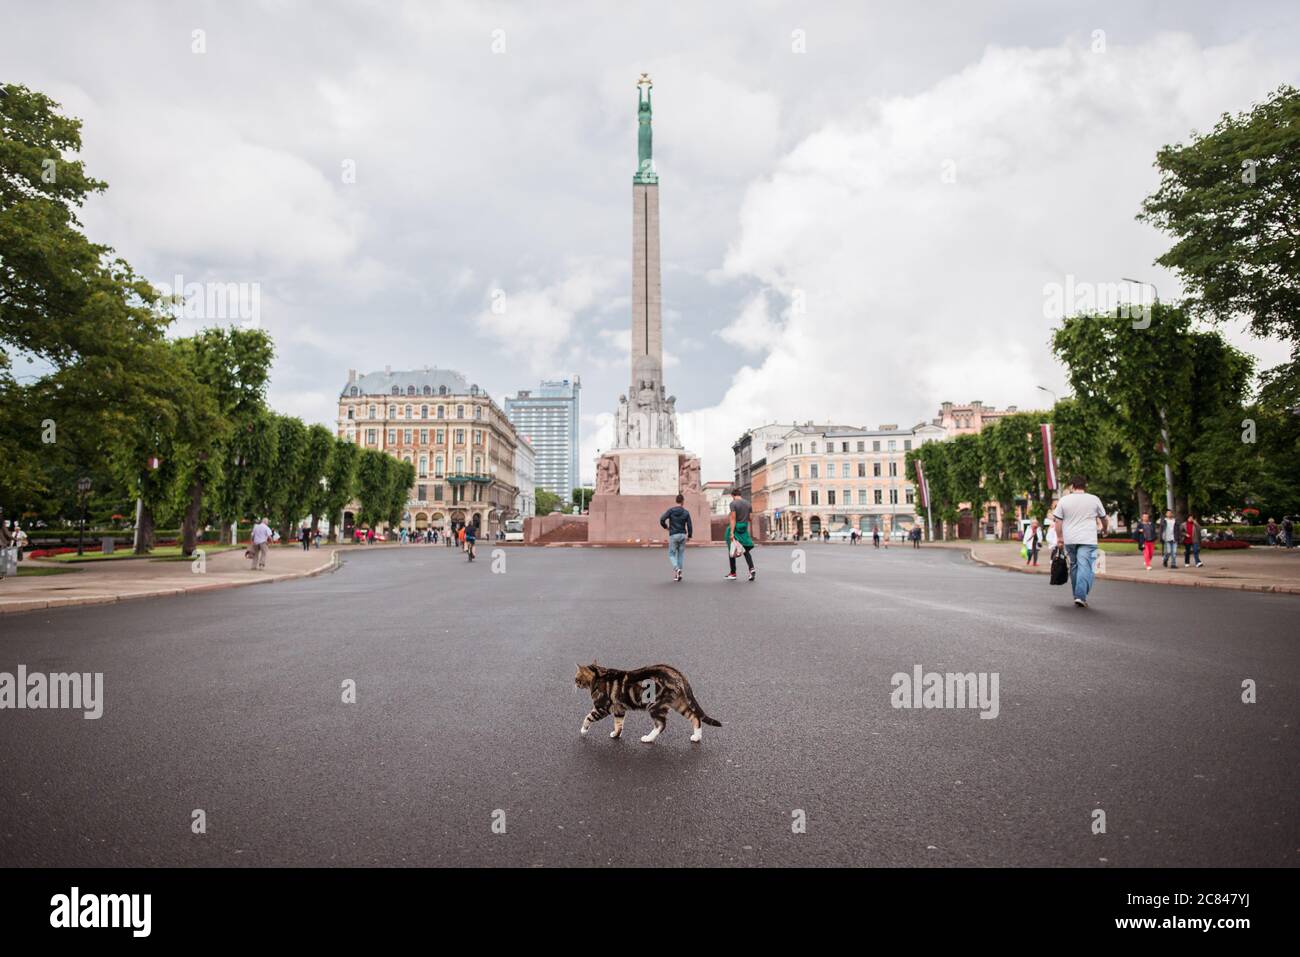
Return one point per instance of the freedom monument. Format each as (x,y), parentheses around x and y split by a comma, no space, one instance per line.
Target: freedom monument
(638,479)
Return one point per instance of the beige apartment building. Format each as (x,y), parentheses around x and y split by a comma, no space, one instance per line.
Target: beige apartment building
(819,478)
(460,442)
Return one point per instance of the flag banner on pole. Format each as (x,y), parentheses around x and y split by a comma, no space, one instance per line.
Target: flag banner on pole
(1049,455)
(922,485)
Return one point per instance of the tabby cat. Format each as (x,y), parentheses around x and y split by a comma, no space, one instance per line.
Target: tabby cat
(656,689)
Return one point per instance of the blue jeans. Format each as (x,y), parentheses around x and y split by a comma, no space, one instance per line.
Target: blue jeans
(677,549)
(1082,558)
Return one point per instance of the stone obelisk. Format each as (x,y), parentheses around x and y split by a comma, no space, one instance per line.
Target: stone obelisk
(639,477)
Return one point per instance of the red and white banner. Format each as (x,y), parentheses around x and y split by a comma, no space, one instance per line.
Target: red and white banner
(922,485)
(1049,455)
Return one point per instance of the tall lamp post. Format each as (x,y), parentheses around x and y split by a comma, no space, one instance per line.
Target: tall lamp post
(83,490)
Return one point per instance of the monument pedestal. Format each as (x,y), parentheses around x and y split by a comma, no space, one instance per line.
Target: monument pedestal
(635,487)
(633,519)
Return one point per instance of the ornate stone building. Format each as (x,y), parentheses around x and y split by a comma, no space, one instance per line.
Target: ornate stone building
(462,445)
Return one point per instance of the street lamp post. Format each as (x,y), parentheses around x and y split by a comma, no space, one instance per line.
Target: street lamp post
(83,489)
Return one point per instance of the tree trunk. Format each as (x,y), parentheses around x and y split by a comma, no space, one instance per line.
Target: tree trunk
(146,530)
(190,522)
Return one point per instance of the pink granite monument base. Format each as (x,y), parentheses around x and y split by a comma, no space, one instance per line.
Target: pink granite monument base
(634,519)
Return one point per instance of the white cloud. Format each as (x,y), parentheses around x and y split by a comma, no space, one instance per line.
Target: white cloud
(919,290)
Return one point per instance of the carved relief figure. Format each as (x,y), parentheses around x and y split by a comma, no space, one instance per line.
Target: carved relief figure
(607,475)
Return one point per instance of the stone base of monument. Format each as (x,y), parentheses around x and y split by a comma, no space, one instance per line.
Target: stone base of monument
(639,485)
(634,519)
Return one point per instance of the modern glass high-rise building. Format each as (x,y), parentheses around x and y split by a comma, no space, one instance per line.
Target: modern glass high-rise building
(548,416)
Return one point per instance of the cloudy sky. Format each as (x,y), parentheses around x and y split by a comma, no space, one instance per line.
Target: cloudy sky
(862,204)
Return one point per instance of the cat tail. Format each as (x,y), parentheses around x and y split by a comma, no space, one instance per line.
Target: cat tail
(699,712)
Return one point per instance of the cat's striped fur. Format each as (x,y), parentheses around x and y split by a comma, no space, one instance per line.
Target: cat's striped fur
(657,689)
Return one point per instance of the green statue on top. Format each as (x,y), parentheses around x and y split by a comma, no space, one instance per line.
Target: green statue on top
(645,170)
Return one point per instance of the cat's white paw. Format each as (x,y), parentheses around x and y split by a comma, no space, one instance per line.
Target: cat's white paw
(647,738)
(697,736)
(614,734)
(583,729)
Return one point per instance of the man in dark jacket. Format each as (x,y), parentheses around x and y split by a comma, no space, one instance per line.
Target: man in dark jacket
(678,522)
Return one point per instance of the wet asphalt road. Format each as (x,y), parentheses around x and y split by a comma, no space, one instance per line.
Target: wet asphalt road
(230,702)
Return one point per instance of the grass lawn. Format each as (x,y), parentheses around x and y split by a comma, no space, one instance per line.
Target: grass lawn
(165,553)
(1120,548)
(27,571)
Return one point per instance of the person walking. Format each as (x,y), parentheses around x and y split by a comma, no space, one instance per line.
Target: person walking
(1076,516)
(7,539)
(875,537)
(678,522)
(1145,535)
(261,545)
(738,534)
(304,536)
(1032,539)
(1192,541)
(1288,532)
(916,536)
(1169,532)
(1271,529)
(471,536)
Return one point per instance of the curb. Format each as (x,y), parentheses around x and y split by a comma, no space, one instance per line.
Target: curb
(1185,583)
(40,604)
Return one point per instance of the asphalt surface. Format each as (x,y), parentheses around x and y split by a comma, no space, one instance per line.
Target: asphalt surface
(230,702)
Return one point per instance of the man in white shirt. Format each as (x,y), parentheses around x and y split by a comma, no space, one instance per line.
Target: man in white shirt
(259,548)
(1075,521)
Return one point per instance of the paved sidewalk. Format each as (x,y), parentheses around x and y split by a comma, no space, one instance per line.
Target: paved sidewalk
(1249,569)
(94,583)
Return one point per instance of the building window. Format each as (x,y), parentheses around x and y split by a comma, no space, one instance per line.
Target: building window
(478,436)
(349,412)
(428,391)
(814,448)
(813,499)
(392,436)
(796,472)
(439,437)
(907,496)
(830,497)
(424,411)
(862,446)
(893,496)
(893,469)
(460,436)
(875,469)
(372,436)
(392,411)
(352,391)
(875,446)
(460,412)
(437,493)
(397,390)
(812,473)
(893,445)
(478,411)
(844,446)
(372,412)
(440,412)
(437,467)
(794,497)
(862,469)
(460,464)
(877,497)
(907,445)
(424,436)
(862,496)
(420,491)
(406,437)
(424,470)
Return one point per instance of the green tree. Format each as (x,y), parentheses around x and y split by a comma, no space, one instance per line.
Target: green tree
(340,485)
(1229,199)
(582,497)
(285,503)
(373,487)
(547,502)
(965,477)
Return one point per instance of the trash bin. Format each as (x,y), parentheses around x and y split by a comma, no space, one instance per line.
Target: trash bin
(106,546)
